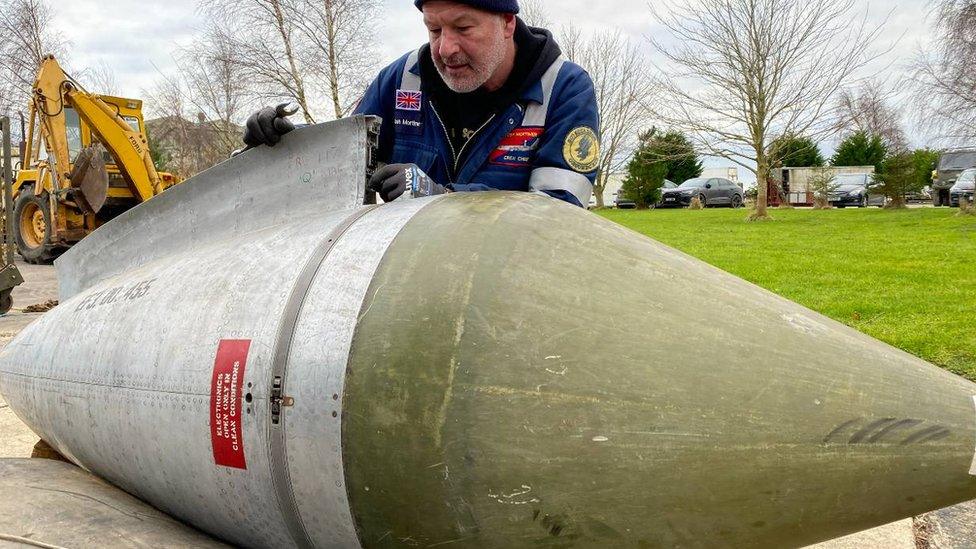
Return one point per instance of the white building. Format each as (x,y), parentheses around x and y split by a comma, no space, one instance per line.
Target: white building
(614,182)
(732,174)
(798,180)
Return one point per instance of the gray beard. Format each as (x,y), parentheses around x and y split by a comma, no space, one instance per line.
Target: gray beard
(496,55)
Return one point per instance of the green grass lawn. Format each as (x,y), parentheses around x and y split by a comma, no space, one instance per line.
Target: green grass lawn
(905,277)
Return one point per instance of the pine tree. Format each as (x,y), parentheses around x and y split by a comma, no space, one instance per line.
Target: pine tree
(861,149)
(679,154)
(645,172)
(159,157)
(792,151)
(896,179)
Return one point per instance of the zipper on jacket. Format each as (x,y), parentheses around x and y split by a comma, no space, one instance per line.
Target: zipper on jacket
(475,134)
(447,135)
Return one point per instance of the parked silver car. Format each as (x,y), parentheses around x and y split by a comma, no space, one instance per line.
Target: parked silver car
(964,186)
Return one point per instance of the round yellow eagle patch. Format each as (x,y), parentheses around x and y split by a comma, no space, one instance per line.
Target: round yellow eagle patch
(582,150)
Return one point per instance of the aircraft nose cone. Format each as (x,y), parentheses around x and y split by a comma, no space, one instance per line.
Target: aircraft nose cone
(524,370)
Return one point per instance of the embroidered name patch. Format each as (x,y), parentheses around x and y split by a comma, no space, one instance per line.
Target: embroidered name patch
(408,123)
(518,147)
(408,100)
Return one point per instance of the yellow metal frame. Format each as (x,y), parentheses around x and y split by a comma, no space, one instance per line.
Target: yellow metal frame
(101,119)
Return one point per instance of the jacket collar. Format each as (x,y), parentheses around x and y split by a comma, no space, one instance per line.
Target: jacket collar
(534,93)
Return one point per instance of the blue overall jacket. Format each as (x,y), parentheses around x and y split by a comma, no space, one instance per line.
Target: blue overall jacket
(546,142)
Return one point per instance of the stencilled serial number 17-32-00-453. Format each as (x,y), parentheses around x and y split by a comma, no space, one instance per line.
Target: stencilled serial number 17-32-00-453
(128,292)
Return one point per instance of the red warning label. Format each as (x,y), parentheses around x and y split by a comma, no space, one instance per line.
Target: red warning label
(225,403)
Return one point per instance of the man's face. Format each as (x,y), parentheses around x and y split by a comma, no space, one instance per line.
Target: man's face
(467,44)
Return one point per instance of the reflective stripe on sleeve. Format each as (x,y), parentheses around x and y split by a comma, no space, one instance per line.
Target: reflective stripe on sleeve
(535,113)
(410,81)
(558,179)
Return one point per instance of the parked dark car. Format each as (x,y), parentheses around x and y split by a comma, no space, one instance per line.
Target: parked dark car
(964,186)
(712,191)
(668,184)
(621,201)
(853,189)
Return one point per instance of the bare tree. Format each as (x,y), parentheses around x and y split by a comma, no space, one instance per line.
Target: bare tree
(199,105)
(870,109)
(737,73)
(217,86)
(620,77)
(944,79)
(100,78)
(262,32)
(26,28)
(169,130)
(341,35)
(534,13)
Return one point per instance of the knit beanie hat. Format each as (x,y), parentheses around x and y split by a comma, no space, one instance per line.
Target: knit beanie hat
(498,6)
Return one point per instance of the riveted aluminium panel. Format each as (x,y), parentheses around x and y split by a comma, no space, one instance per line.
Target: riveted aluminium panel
(313,170)
(155,372)
(317,369)
(120,378)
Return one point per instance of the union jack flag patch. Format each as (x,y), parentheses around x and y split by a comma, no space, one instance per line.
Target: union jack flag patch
(408,100)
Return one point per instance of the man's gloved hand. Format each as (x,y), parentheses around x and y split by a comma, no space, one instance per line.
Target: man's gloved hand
(392,180)
(266,126)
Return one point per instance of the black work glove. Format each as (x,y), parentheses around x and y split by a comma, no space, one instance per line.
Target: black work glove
(266,126)
(392,180)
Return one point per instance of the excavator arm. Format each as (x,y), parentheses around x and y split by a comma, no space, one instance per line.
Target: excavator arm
(54,90)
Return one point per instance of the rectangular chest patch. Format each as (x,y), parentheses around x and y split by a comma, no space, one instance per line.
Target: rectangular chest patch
(408,100)
(518,148)
(408,119)
(408,123)
(226,433)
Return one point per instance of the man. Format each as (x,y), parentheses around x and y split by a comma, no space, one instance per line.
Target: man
(488,104)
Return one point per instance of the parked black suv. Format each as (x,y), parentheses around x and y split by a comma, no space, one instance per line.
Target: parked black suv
(712,191)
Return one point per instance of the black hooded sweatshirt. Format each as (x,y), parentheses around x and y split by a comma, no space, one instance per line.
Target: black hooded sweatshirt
(463,113)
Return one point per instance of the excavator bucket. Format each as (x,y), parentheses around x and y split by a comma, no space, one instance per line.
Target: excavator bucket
(89,179)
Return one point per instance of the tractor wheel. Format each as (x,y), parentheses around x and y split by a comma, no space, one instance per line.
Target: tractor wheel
(32,221)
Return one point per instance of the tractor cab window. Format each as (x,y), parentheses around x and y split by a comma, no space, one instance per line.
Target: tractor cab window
(132,121)
(73,126)
(957,160)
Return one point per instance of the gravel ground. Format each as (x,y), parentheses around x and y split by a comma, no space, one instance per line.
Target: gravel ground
(40,285)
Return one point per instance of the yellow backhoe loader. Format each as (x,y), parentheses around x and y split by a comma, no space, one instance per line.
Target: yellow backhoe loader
(96,164)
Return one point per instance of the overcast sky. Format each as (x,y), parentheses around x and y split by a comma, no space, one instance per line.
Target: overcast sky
(136,36)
